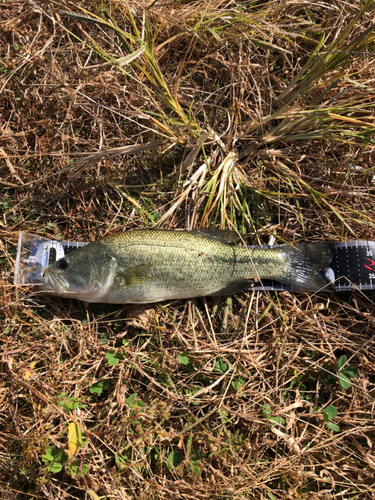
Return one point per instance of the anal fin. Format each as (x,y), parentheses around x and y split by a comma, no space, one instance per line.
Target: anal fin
(234,287)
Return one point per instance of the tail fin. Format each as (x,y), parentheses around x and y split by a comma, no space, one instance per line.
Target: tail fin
(308,265)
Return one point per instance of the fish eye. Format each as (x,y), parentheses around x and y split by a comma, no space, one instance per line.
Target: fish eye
(63,264)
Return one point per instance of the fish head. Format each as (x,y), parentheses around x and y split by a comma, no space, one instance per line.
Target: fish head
(85,274)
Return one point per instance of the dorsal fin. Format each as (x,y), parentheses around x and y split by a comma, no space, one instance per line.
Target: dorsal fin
(224,235)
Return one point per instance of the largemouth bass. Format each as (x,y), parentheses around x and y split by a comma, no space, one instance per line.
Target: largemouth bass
(154,265)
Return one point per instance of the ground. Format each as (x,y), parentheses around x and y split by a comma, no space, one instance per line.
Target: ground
(256,117)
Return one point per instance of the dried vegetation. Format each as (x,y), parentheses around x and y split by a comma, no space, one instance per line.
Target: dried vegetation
(257,116)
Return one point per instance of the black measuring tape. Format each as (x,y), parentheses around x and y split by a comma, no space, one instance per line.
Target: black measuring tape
(352,266)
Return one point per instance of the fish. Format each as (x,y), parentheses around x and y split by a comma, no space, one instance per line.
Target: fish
(145,266)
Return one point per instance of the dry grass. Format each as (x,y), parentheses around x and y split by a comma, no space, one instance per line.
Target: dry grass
(257,116)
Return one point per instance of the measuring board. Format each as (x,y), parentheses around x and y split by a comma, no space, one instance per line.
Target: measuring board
(352,266)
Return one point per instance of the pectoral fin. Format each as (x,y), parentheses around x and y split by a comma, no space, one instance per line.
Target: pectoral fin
(134,275)
(234,287)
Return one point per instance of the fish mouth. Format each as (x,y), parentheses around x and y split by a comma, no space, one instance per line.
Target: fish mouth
(60,286)
(54,284)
